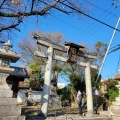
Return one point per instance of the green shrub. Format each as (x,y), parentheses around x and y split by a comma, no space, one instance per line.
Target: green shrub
(113,93)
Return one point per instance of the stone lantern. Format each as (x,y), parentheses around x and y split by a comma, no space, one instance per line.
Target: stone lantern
(7,56)
(9,110)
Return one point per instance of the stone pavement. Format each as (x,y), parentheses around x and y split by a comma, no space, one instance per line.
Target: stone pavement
(71,117)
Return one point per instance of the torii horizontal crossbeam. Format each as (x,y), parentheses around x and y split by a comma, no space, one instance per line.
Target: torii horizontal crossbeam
(63,59)
(49,43)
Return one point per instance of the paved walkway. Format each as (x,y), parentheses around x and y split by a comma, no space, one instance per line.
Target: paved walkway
(70,117)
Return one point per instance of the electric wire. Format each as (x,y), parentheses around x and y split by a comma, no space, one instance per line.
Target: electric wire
(95,29)
(77,10)
(84,31)
(89,28)
(114,50)
(105,11)
(115,46)
(101,8)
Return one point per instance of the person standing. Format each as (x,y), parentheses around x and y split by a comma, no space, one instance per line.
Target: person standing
(79,99)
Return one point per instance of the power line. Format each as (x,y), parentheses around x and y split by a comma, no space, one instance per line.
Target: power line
(77,10)
(115,46)
(89,28)
(101,8)
(114,50)
(75,26)
(105,11)
(94,30)
(114,1)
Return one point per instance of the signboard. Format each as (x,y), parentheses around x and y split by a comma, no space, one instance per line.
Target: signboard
(72,57)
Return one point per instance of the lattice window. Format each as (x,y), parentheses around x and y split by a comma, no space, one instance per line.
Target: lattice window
(5,62)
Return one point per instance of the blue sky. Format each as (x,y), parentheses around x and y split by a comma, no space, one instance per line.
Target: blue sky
(82,29)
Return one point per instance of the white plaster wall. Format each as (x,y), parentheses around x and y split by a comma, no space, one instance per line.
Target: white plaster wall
(21,96)
(36,96)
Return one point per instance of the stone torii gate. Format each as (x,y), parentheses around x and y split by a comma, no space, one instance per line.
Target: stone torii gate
(50,56)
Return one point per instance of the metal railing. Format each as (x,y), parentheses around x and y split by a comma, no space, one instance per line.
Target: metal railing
(57,102)
(64,112)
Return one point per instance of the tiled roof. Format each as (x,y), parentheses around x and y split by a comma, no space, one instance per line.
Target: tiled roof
(19,72)
(117,77)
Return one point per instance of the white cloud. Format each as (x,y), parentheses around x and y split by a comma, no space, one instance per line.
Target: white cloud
(61,85)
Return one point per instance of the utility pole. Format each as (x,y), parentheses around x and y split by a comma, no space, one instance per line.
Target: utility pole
(108,49)
(73,51)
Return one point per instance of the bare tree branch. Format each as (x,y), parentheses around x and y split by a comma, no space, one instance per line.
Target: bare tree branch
(32,4)
(12,26)
(57,8)
(2,3)
(11,10)
(48,7)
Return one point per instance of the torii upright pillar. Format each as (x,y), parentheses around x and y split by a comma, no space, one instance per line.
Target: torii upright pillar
(47,83)
(88,88)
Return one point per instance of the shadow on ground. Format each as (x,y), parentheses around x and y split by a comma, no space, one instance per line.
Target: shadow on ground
(33,112)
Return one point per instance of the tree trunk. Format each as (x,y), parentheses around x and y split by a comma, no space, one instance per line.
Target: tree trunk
(55,77)
(73,97)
